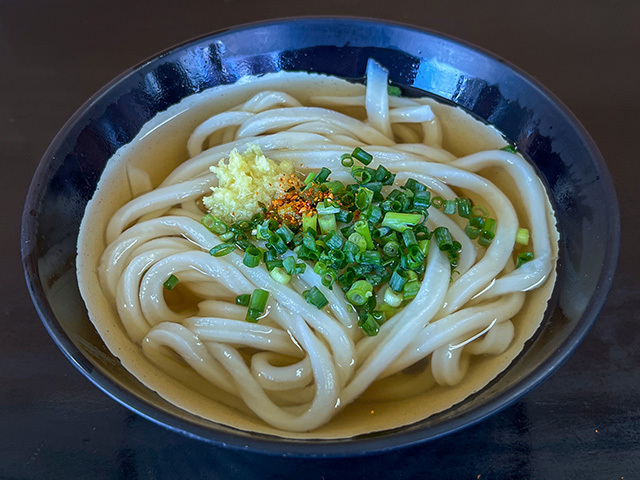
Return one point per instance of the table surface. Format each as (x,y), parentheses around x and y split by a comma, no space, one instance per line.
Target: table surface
(583,422)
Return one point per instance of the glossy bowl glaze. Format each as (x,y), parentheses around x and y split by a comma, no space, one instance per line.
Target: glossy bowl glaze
(543,129)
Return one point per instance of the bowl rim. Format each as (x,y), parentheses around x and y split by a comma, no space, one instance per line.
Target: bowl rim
(269,444)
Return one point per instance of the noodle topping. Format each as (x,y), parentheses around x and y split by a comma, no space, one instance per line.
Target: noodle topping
(382,247)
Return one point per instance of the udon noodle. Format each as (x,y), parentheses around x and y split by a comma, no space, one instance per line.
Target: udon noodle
(300,370)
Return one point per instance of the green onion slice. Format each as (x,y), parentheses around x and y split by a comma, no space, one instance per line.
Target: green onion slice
(400,221)
(315,297)
(280,275)
(360,154)
(359,292)
(524,258)
(214,225)
(257,305)
(171,282)
(369,325)
(522,237)
(243,300)
(252,256)
(222,249)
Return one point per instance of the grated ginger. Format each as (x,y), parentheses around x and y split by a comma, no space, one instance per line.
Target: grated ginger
(245,182)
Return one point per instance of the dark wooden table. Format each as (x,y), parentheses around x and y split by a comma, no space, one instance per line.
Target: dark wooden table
(583,422)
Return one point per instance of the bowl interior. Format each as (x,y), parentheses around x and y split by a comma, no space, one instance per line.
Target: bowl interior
(529,116)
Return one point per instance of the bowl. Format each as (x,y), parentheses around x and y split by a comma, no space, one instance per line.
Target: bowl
(529,116)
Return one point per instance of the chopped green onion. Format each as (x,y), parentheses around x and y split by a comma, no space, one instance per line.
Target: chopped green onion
(360,269)
(394,91)
(344,216)
(524,258)
(421,200)
(464,207)
(280,275)
(363,198)
(309,240)
(252,256)
(379,316)
(359,240)
(263,232)
(369,325)
(488,232)
(360,154)
(329,278)
(388,310)
(479,211)
(333,240)
(327,223)
(337,256)
(315,297)
(449,207)
(243,300)
(171,282)
(299,268)
(391,206)
(393,298)
(225,237)
(359,292)
(347,199)
(309,221)
(346,160)
(443,238)
(370,257)
(214,224)
(398,279)
(257,305)
(374,214)
(379,233)
(269,255)
(285,233)
(424,246)
(289,263)
(335,186)
(400,221)
(391,248)
(320,268)
(352,249)
(277,243)
(362,227)
(222,249)
(415,256)
(242,243)
(346,279)
(477,222)
(409,237)
(410,290)
(310,177)
(326,208)
(346,231)
(414,185)
(271,264)
(362,175)
(510,149)
(522,237)
(244,225)
(384,176)
(472,232)
(322,175)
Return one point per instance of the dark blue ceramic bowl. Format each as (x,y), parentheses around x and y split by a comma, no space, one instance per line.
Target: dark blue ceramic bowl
(523,110)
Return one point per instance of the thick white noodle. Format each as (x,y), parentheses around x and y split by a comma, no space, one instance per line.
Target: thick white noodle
(298,365)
